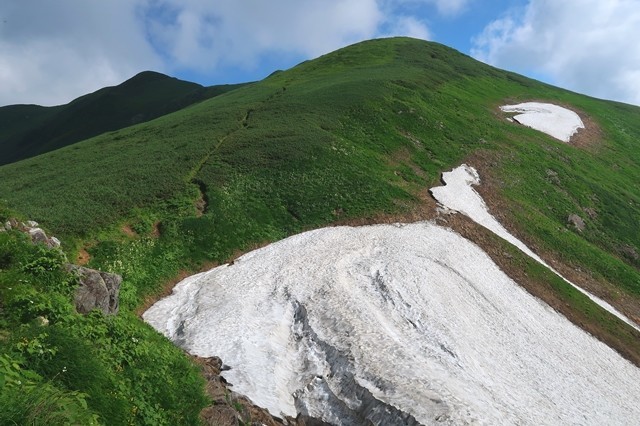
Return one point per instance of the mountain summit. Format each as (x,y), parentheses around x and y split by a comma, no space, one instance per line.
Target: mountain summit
(30,130)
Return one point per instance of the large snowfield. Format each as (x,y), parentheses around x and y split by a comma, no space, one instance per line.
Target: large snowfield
(402,324)
(398,324)
(554,120)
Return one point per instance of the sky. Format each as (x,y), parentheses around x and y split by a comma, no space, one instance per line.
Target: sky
(53,51)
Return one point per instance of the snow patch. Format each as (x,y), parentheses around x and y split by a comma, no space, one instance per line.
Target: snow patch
(458,194)
(396,324)
(554,120)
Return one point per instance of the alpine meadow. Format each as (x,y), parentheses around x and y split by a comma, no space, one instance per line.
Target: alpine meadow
(354,137)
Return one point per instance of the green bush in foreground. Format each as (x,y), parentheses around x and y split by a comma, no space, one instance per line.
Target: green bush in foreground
(59,367)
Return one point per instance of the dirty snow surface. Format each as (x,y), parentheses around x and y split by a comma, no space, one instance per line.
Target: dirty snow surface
(458,194)
(399,325)
(559,122)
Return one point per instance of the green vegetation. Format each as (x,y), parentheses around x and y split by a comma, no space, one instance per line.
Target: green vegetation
(354,134)
(29,130)
(59,367)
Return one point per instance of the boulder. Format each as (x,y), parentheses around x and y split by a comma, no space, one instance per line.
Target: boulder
(576,221)
(97,290)
(53,242)
(38,236)
(630,252)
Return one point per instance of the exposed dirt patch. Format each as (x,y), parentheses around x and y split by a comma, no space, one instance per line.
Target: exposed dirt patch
(202,202)
(83,257)
(155,230)
(128,230)
(589,138)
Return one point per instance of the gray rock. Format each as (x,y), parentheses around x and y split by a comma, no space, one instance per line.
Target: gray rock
(591,212)
(32,224)
(576,221)
(630,252)
(112,281)
(97,290)
(53,242)
(42,321)
(38,236)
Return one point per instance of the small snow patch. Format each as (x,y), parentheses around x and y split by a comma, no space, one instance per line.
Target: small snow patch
(458,194)
(556,121)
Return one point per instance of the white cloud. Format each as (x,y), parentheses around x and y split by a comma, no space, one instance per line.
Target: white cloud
(443,7)
(449,7)
(589,46)
(54,51)
(408,26)
(205,33)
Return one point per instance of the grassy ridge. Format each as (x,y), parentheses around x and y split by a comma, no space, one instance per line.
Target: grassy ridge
(353,134)
(29,130)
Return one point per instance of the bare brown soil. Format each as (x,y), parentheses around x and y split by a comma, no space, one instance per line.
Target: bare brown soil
(155,231)
(200,205)
(589,138)
(127,230)
(83,257)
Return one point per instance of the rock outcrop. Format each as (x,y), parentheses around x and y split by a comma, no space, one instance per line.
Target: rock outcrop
(232,409)
(97,290)
(38,236)
(576,221)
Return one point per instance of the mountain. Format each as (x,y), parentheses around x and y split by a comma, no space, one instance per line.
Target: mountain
(30,130)
(354,137)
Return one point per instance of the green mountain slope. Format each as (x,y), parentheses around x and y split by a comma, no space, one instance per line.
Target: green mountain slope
(355,136)
(29,130)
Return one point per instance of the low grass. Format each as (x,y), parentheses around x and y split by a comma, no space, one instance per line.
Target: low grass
(30,130)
